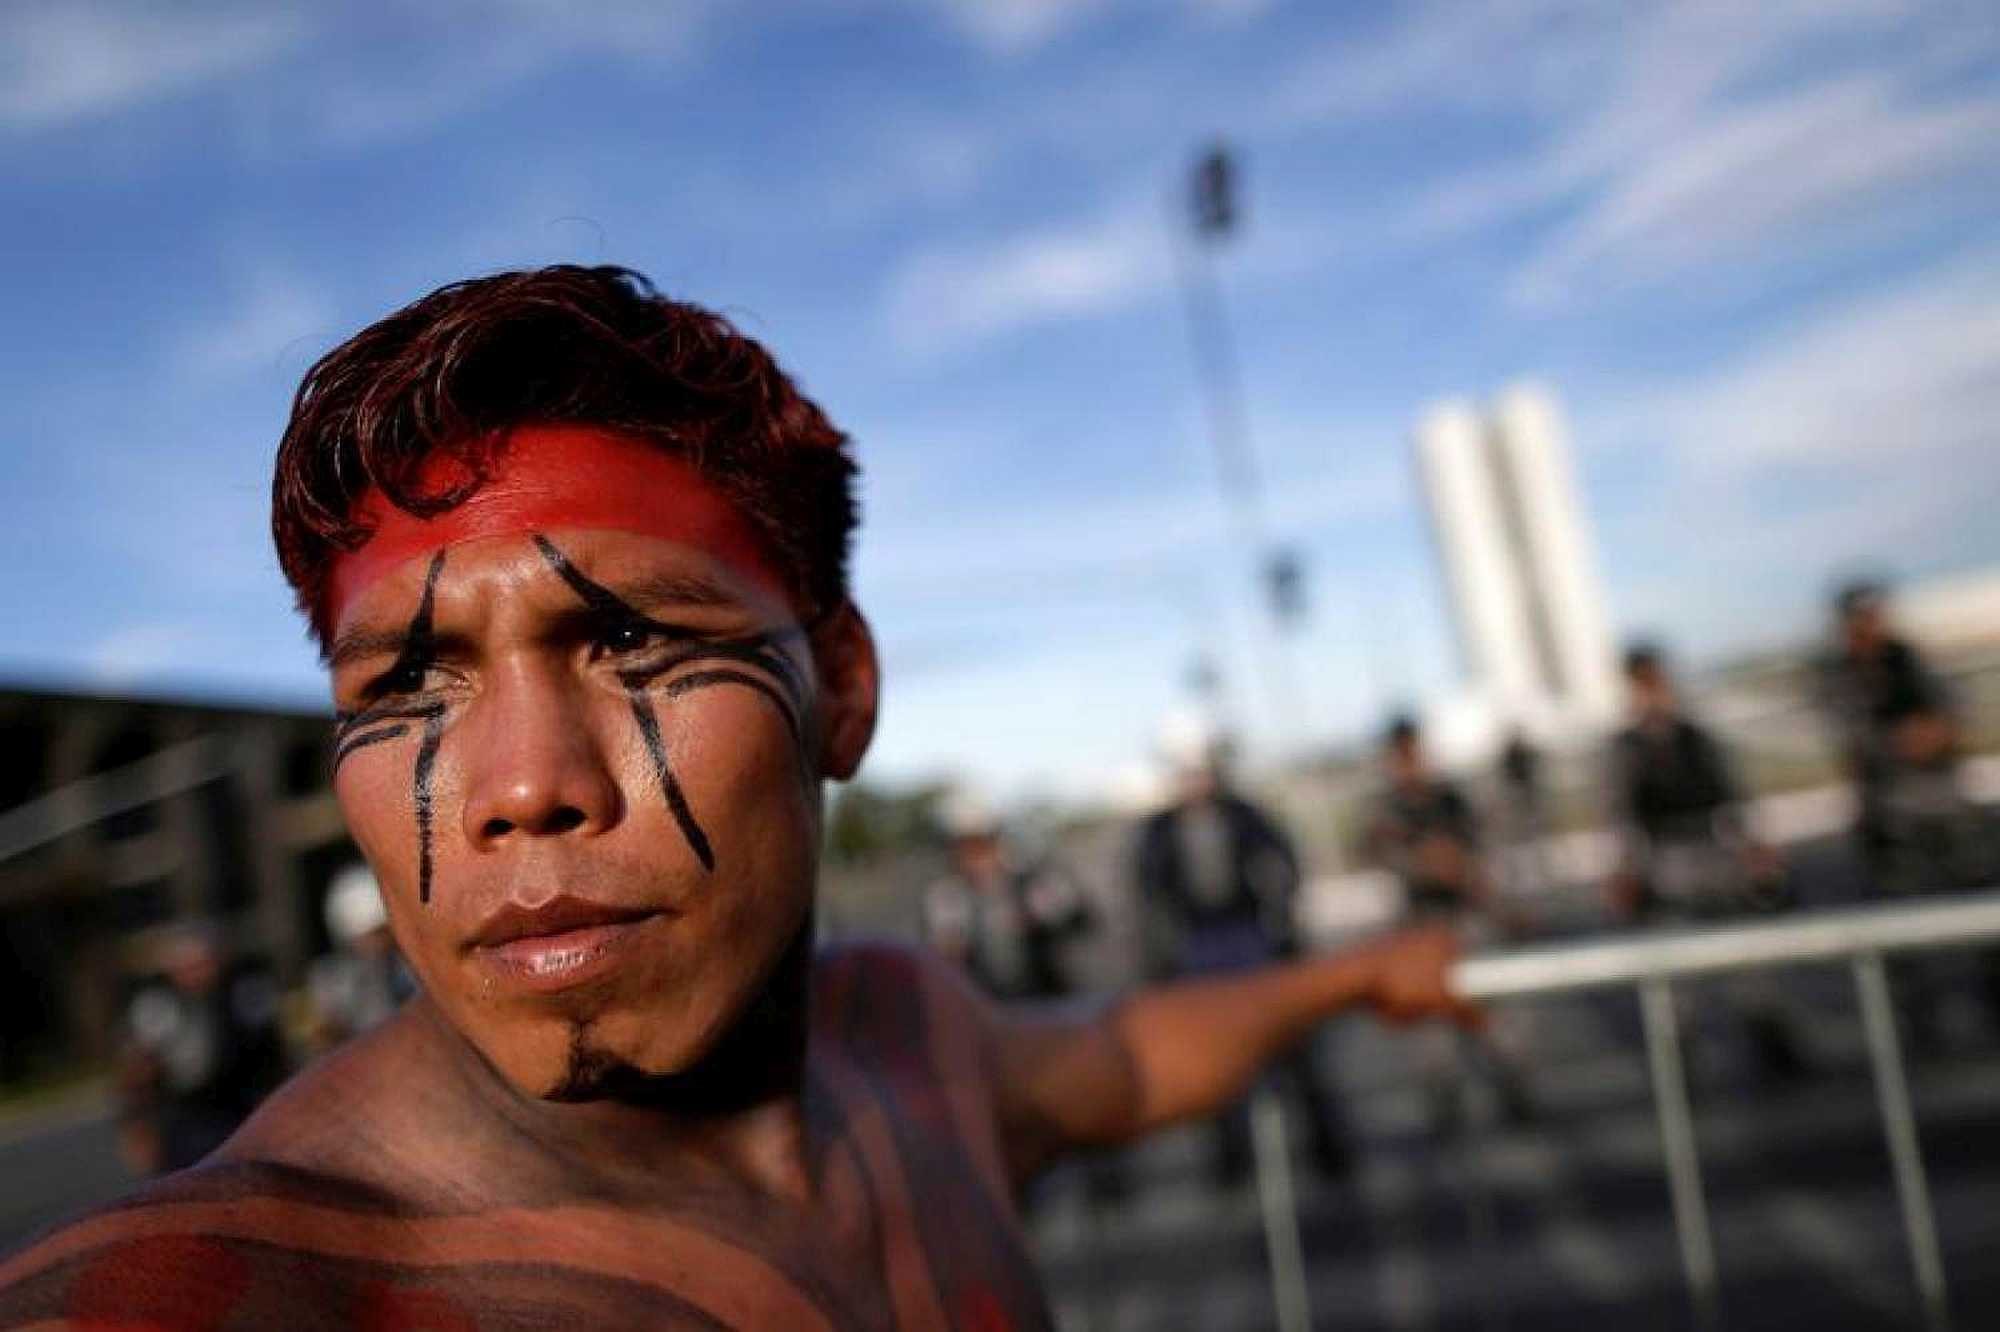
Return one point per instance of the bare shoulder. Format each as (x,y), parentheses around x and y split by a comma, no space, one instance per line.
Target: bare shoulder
(242,1244)
(886,1000)
(187,1251)
(273,1220)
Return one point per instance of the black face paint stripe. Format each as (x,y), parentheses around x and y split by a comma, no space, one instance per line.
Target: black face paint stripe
(670,787)
(420,782)
(366,738)
(418,651)
(758,650)
(788,694)
(687,684)
(387,721)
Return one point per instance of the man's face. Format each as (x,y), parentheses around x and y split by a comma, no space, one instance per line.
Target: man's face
(1652,693)
(1405,757)
(977,856)
(584,764)
(1863,626)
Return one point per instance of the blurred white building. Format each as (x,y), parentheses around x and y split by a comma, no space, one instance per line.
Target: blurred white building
(1525,588)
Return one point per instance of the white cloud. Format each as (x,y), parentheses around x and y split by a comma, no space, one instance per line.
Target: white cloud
(1014,27)
(1910,371)
(1752,175)
(946,296)
(380,74)
(1110,543)
(65,62)
(1862,435)
(270,311)
(1017,25)
(136,653)
(1665,137)
(457,57)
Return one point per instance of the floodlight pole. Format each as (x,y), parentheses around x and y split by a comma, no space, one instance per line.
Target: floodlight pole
(1214,219)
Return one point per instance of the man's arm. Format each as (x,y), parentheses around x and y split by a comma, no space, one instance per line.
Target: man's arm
(1070,1078)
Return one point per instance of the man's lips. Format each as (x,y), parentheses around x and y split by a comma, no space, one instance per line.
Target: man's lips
(559,915)
(564,942)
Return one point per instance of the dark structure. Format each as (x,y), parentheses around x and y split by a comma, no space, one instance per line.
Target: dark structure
(119,815)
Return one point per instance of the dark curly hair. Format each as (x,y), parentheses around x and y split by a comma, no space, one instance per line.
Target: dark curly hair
(592,346)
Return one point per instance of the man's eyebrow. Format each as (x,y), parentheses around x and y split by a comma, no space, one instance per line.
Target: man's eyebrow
(366,640)
(652,591)
(657,590)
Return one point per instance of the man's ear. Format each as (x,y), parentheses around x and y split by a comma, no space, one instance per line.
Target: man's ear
(850,680)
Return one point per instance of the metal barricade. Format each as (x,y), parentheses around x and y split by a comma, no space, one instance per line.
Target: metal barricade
(1861,936)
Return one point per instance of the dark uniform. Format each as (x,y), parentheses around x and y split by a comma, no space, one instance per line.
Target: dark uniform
(1917,831)
(1009,935)
(1684,832)
(1426,833)
(1686,842)
(1910,811)
(1406,819)
(1218,881)
(203,1061)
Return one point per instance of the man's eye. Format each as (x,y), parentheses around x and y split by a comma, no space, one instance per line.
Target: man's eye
(626,638)
(403,679)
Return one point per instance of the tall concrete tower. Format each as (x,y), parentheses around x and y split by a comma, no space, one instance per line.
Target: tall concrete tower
(1525,587)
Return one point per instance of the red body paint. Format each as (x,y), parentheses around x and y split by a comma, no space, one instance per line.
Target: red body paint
(560,476)
(142,1286)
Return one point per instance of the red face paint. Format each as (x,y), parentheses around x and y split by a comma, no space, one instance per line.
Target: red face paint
(561,476)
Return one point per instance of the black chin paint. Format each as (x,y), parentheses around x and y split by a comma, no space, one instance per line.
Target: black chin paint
(787,695)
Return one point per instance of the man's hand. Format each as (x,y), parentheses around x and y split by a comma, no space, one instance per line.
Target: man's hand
(1410,978)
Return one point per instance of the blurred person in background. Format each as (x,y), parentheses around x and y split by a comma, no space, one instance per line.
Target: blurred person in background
(1011,922)
(1425,832)
(203,1049)
(1006,920)
(1688,851)
(1916,828)
(577,554)
(1218,883)
(1524,818)
(1897,730)
(364,980)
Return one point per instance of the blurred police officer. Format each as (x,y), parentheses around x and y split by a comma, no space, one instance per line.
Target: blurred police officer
(1008,920)
(1426,832)
(363,981)
(204,1049)
(1689,852)
(1895,723)
(1218,883)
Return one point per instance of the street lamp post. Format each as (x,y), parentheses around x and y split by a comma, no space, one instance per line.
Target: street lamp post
(1214,202)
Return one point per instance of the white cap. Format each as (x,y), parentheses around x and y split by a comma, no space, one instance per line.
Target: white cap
(354,905)
(1192,741)
(966,812)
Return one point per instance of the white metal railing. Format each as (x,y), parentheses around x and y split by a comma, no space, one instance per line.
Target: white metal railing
(91,800)
(1860,936)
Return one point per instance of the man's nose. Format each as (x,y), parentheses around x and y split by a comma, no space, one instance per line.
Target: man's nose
(535,766)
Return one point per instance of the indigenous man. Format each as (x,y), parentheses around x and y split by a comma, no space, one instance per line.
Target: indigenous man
(577,557)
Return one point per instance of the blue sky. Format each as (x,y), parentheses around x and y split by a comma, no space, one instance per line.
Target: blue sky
(1751,246)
